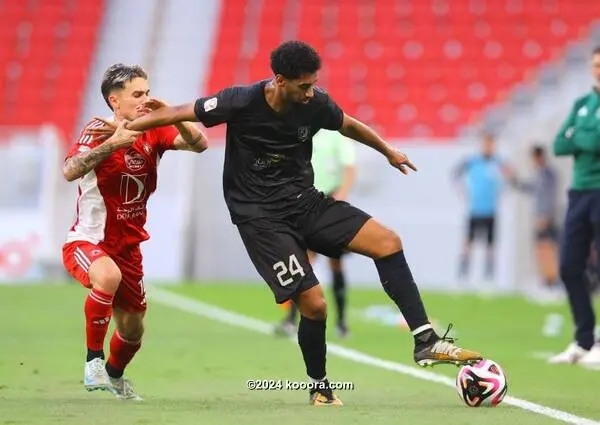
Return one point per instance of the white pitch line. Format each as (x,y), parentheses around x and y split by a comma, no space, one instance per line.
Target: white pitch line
(218,314)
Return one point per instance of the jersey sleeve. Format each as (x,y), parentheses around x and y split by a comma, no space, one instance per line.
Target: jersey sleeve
(220,108)
(84,141)
(164,138)
(329,116)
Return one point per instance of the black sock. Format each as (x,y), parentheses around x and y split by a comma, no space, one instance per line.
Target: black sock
(339,293)
(311,338)
(113,372)
(398,283)
(91,355)
(424,338)
(293,313)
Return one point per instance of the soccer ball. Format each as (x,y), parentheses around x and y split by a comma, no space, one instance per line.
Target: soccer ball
(481,384)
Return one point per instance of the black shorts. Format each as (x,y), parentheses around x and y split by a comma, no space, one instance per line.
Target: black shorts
(278,246)
(335,257)
(481,226)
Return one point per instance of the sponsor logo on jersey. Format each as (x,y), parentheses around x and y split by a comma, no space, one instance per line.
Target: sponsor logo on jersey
(133,188)
(129,213)
(267,161)
(134,160)
(147,149)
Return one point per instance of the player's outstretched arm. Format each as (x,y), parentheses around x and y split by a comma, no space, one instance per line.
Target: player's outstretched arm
(354,129)
(85,161)
(159,118)
(190,137)
(164,116)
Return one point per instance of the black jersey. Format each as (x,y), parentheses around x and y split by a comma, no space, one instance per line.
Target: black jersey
(267,157)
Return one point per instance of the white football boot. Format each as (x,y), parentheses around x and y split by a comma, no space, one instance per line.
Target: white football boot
(573,354)
(123,389)
(592,358)
(95,376)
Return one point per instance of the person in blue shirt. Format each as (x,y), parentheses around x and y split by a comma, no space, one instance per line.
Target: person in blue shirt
(482,176)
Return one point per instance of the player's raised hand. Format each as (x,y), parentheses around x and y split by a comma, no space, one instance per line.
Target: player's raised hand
(400,161)
(152,105)
(122,137)
(115,133)
(103,132)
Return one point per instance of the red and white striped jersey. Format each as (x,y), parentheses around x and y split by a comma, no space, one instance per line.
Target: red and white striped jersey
(111,203)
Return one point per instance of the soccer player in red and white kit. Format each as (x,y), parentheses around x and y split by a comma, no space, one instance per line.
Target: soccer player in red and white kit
(116,177)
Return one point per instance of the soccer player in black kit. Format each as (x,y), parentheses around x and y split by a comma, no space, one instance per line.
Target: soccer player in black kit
(268,188)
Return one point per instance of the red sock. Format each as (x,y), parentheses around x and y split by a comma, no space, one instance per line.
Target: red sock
(121,353)
(98,309)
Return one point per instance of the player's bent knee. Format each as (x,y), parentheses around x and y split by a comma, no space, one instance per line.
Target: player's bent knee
(312,306)
(130,325)
(105,275)
(133,333)
(390,243)
(317,310)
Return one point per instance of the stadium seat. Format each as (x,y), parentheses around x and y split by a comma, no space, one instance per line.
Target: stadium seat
(477,51)
(46,53)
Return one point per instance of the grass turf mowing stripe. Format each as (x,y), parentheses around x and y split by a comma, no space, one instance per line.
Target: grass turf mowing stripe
(200,308)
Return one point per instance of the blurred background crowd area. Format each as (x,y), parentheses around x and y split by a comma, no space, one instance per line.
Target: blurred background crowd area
(432,76)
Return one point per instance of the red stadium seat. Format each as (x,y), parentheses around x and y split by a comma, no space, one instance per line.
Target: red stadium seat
(52,44)
(447,60)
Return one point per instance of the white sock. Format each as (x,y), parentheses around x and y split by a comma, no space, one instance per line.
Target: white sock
(422,329)
(315,381)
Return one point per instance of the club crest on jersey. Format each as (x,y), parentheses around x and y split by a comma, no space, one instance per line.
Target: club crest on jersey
(303,133)
(147,149)
(134,160)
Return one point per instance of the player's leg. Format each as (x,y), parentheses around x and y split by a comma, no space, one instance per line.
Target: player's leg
(279,255)
(293,312)
(287,327)
(385,248)
(574,251)
(465,256)
(312,342)
(341,226)
(129,311)
(94,269)
(489,223)
(124,344)
(339,294)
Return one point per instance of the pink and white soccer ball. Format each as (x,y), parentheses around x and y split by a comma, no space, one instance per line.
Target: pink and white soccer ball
(481,384)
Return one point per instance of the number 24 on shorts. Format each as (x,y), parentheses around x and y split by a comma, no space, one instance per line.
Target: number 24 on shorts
(293,268)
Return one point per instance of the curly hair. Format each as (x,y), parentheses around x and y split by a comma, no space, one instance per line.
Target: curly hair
(294,58)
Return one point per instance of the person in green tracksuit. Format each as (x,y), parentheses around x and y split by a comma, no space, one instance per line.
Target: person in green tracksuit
(333,162)
(579,137)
